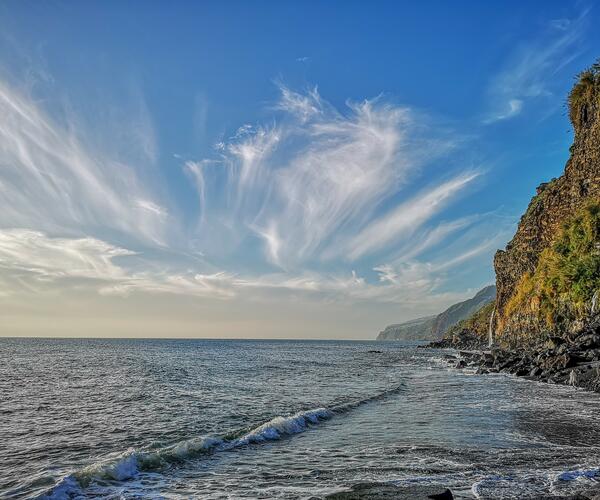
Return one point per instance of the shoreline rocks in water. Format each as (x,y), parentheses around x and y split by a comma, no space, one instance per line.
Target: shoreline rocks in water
(374,490)
(573,360)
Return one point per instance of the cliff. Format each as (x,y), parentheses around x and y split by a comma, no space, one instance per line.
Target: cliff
(520,313)
(434,327)
(462,310)
(416,329)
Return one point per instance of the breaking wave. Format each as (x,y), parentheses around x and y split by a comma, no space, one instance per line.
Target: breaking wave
(128,464)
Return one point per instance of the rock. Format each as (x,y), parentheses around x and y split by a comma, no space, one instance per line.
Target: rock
(445,495)
(536,371)
(488,359)
(522,372)
(593,355)
(561,362)
(555,341)
(386,491)
(589,341)
(508,363)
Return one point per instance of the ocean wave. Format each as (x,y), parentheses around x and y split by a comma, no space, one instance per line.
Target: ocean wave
(130,463)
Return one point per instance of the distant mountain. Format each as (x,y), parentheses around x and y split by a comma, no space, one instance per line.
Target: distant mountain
(415,329)
(434,327)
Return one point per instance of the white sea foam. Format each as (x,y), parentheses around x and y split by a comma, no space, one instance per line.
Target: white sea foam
(127,465)
(67,487)
(130,463)
(492,486)
(282,426)
(573,475)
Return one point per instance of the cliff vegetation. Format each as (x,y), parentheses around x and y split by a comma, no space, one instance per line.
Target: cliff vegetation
(563,290)
(547,276)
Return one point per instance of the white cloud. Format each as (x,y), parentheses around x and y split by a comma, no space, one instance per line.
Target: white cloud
(530,71)
(318,174)
(40,259)
(425,277)
(405,219)
(316,184)
(50,181)
(196,171)
(427,238)
(514,107)
(36,262)
(53,258)
(215,286)
(303,106)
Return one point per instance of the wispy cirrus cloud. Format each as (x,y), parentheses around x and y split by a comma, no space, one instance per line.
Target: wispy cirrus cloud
(530,70)
(425,277)
(319,176)
(315,185)
(46,258)
(39,261)
(408,217)
(50,180)
(34,262)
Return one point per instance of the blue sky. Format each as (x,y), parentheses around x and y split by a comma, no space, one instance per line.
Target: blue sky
(278,169)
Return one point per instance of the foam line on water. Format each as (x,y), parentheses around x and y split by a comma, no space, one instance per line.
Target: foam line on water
(574,475)
(128,464)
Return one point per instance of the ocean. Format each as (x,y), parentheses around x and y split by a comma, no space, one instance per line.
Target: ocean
(278,419)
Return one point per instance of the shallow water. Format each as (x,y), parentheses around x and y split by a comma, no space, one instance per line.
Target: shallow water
(278,419)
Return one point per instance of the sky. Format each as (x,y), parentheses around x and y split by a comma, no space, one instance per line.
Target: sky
(270,169)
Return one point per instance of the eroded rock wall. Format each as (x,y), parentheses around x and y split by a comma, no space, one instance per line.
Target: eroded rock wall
(554,204)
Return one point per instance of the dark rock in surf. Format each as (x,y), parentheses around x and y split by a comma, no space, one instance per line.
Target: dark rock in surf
(445,495)
(372,491)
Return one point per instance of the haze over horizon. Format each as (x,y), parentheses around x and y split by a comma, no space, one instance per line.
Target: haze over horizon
(272,170)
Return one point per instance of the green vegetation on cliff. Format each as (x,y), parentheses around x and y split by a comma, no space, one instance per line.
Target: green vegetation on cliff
(548,275)
(469,333)
(584,93)
(477,324)
(561,291)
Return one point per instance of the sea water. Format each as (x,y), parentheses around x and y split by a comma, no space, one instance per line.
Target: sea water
(278,419)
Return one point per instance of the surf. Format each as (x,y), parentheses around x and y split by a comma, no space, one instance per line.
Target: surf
(130,463)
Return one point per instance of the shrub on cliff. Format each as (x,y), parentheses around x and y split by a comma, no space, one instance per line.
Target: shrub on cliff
(563,289)
(583,95)
(477,323)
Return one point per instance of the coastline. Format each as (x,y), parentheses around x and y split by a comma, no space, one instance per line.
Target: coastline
(572,360)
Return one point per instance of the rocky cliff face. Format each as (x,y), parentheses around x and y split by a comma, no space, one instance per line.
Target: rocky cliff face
(434,327)
(555,203)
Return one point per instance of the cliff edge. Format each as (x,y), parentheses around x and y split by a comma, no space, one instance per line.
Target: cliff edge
(519,313)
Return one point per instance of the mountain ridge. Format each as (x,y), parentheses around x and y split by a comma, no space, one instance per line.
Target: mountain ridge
(433,327)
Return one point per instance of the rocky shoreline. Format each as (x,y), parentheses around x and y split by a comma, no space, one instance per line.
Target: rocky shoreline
(570,360)
(376,491)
